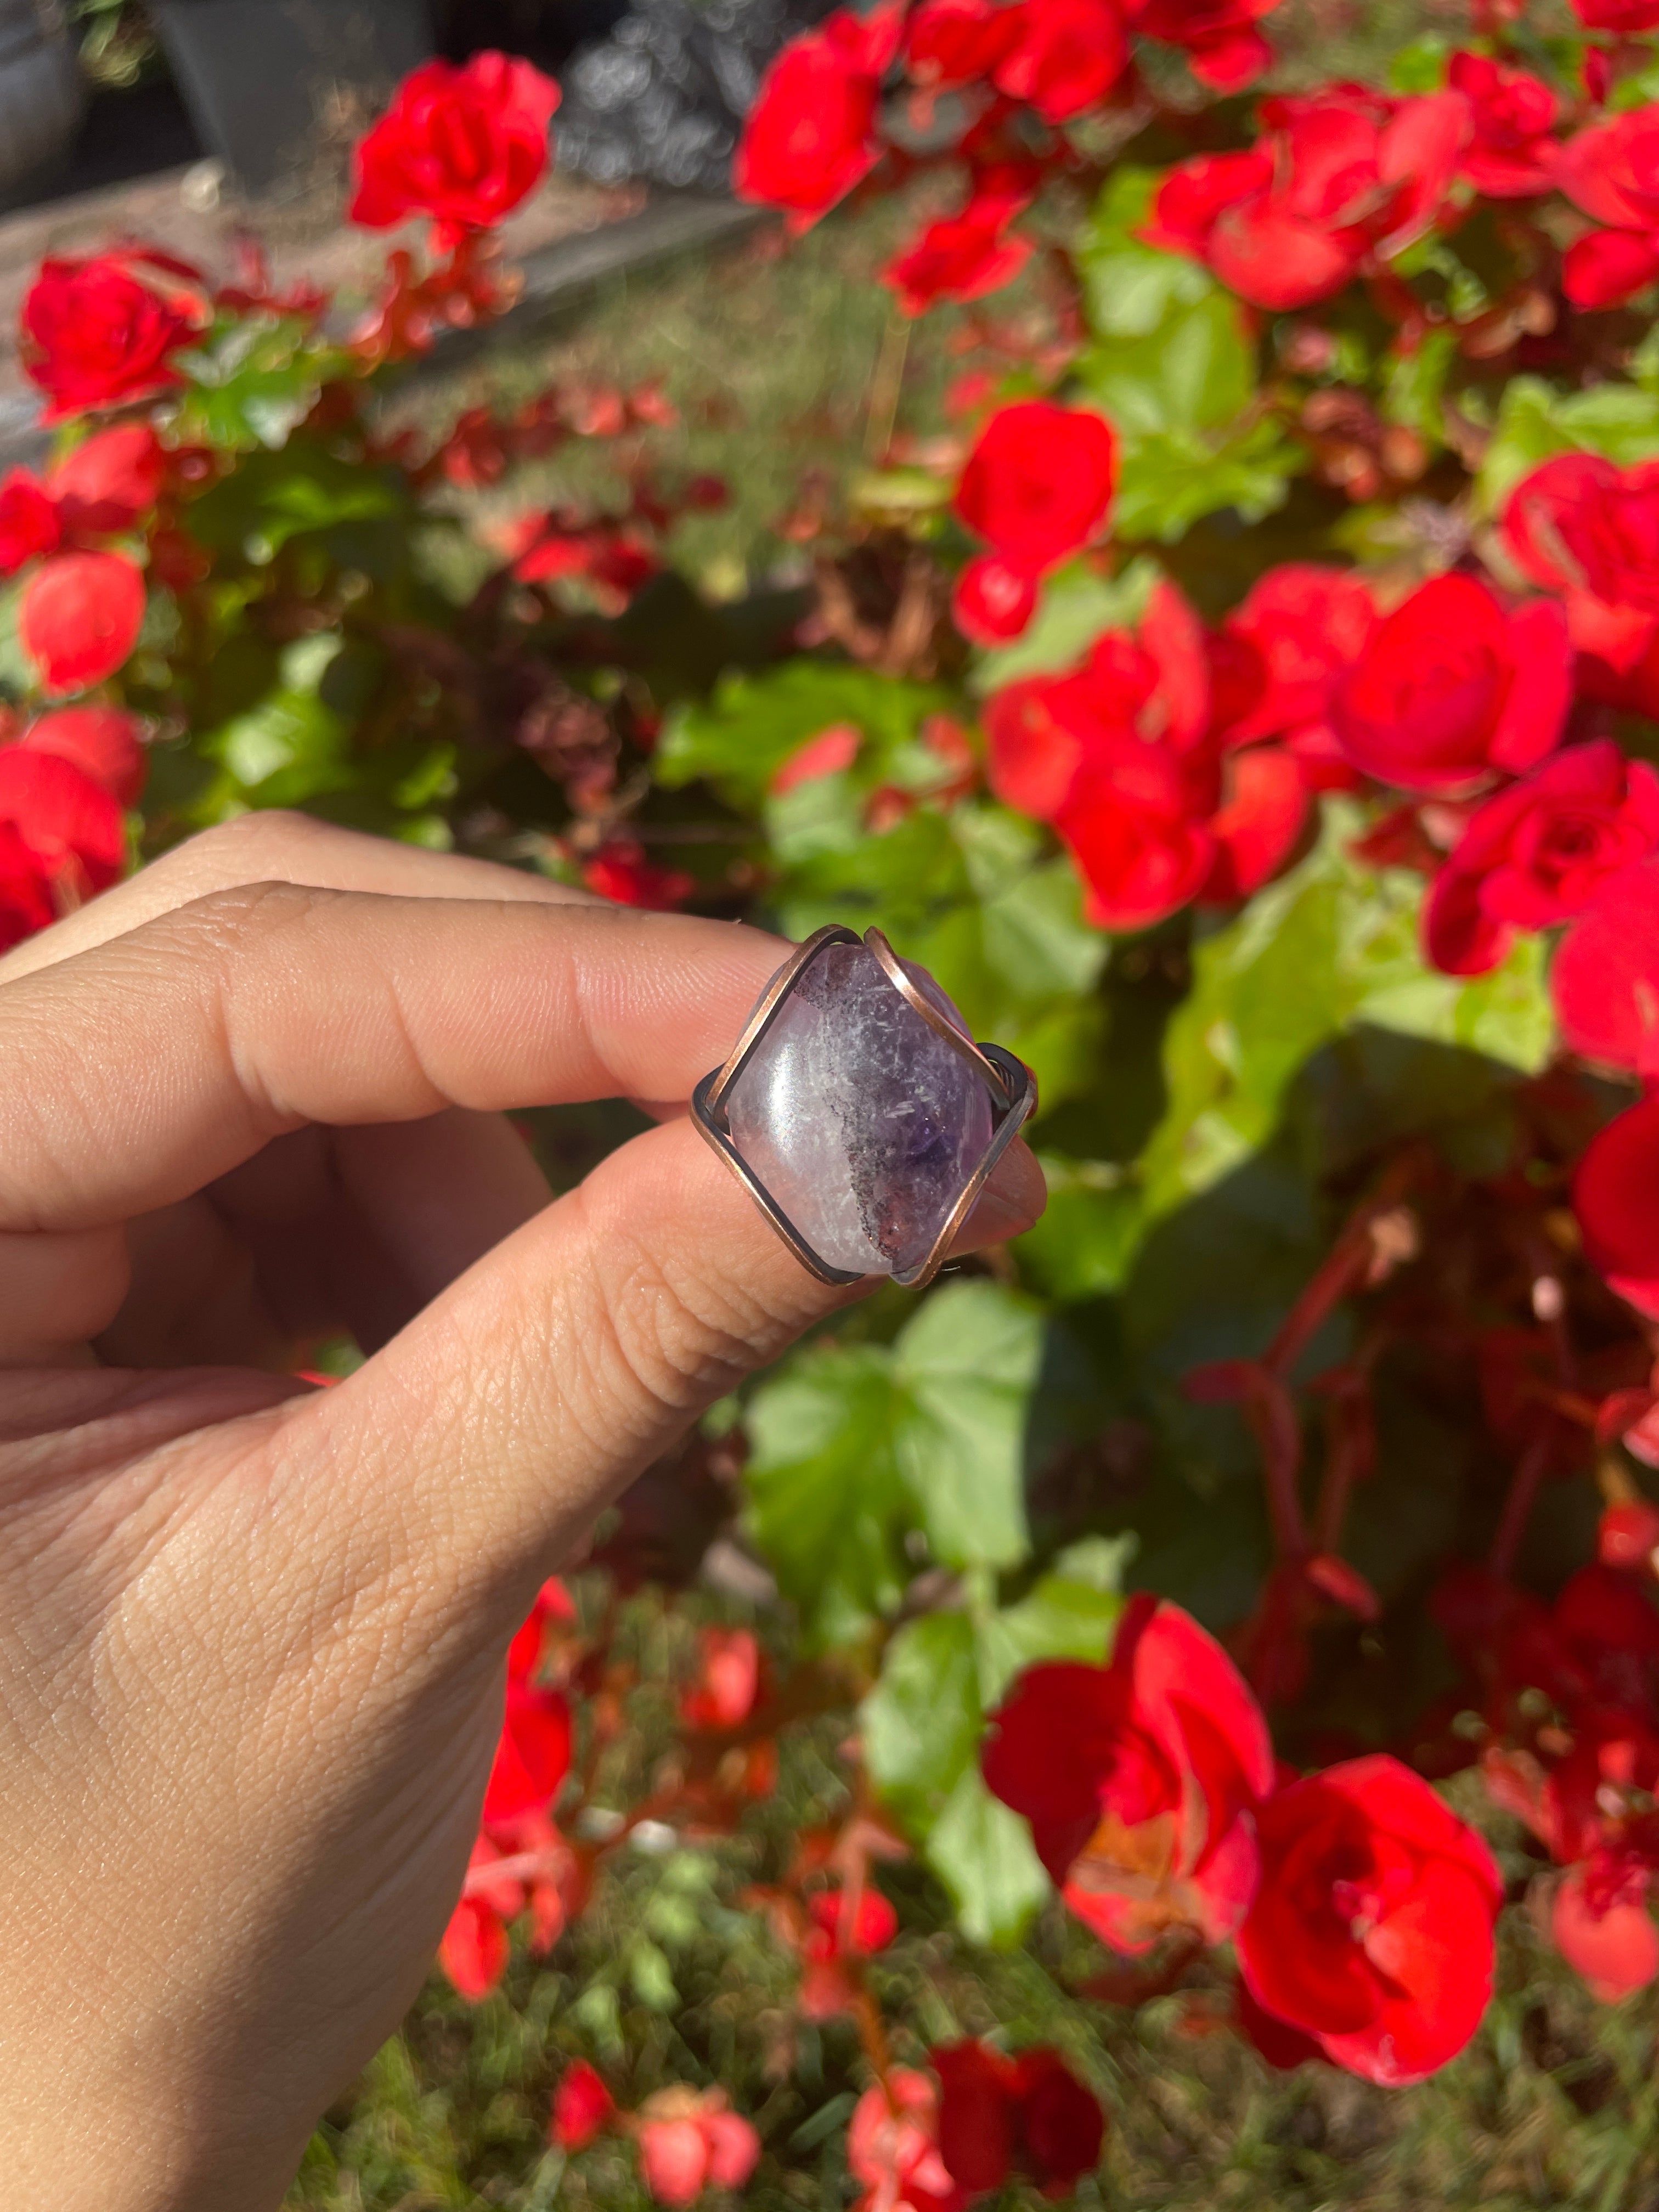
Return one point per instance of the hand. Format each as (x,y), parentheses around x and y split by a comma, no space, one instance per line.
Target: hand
(251,1635)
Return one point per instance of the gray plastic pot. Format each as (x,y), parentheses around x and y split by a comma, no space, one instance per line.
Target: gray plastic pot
(43,95)
(258,76)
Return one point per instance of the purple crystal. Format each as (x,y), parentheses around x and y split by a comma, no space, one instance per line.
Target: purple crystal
(860,1120)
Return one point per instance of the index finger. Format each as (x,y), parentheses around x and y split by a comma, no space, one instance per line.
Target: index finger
(136,1073)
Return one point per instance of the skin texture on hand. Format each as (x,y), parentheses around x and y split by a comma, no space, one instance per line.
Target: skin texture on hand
(251,1635)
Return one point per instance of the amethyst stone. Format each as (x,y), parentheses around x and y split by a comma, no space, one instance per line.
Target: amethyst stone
(860,1120)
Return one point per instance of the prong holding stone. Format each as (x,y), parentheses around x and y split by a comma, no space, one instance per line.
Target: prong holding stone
(859,1112)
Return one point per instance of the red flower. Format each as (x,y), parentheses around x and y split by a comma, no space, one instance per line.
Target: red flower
(475,1950)
(892,2148)
(992,601)
(1028,2115)
(1537,854)
(28,522)
(1281,654)
(1452,686)
(1114,756)
(101,742)
(1511,152)
(1611,170)
(24,894)
(1615,1948)
(524,1654)
(1264,807)
(1222,44)
(108,481)
(809,137)
(1069,54)
(1038,484)
(956,42)
(728,1680)
(1140,1778)
(1590,530)
(1342,176)
(100,332)
(832,752)
(1615,1195)
(1372,1929)
(959,257)
(1622,16)
(73,827)
(80,618)
(462,145)
(582,2106)
(533,1755)
(620,871)
(689,2140)
(1604,976)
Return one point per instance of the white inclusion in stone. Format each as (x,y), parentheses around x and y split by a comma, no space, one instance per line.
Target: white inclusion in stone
(860,1120)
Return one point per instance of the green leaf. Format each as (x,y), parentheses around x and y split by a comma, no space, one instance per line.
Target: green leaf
(1061,1617)
(1417,384)
(254,382)
(966,1367)
(1420,65)
(1130,288)
(920,1726)
(1195,370)
(1170,480)
(1086,1241)
(827,1504)
(742,735)
(272,498)
(983,1854)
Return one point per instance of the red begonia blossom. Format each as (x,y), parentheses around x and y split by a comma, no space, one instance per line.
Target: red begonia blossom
(728,1678)
(1453,685)
(1611,170)
(26,902)
(1225,49)
(1615,1195)
(810,136)
(1510,154)
(29,521)
(533,1755)
(462,145)
(991,601)
(845,1928)
(475,1950)
(1069,54)
(620,871)
(1038,484)
(1265,797)
(1615,1948)
(690,2140)
(582,2107)
(102,742)
(1278,656)
(1623,16)
(72,826)
(1589,531)
(80,616)
(959,257)
(1604,976)
(1341,179)
(1140,1778)
(948,43)
(1114,755)
(102,331)
(1028,2115)
(108,481)
(1538,852)
(892,2148)
(1371,1929)
(1628,1535)
(831,752)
